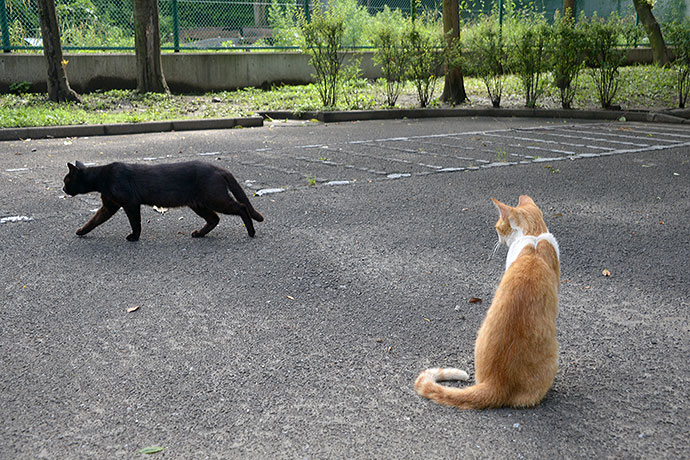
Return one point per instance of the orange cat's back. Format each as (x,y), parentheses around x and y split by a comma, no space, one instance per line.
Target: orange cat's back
(516,348)
(516,352)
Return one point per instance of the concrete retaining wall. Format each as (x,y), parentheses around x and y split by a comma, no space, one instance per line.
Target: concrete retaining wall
(187,72)
(184,72)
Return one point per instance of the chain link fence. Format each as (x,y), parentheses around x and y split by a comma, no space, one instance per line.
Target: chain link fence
(235,24)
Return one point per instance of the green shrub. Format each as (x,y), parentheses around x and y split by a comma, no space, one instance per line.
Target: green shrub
(485,56)
(283,19)
(323,40)
(528,36)
(357,22)
(390,53)
(424,46)
(605,51)
(678,34)
(20,87)
(566,57)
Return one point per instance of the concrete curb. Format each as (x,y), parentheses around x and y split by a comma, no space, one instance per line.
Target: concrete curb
(43,132)
(393,114)
(330,117)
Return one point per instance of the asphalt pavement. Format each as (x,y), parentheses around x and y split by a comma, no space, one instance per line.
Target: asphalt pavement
(304,342)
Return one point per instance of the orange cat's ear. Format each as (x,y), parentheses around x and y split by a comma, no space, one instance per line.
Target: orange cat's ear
(503,209)
(524,199)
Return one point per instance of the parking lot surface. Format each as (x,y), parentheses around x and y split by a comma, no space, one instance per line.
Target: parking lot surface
(304,342)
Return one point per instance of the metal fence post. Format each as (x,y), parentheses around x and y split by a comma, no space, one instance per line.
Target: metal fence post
(176,27)
(413,9)
(307,15)
(5,28)
(500,15)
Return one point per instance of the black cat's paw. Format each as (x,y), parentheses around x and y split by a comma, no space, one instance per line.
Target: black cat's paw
(251,232)
(197,234)
(81,232)
(132,237)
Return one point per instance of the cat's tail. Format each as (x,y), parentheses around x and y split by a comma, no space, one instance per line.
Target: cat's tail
(479,396)
(240,196)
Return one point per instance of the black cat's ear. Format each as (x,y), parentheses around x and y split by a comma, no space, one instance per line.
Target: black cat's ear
(79,164)
(71,167)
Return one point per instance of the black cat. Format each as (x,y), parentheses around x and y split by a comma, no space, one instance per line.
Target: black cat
(201,186)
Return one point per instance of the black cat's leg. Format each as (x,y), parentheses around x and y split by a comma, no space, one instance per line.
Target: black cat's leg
(105,212)
(211,218)
(230,206)
(134,216)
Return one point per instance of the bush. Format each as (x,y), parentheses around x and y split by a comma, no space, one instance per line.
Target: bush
(528,35)
(390,53)
(424,46)
(323,41)
(678,34)
(283,19)
(566,59)
(605,42)
(357,22)
(485,56)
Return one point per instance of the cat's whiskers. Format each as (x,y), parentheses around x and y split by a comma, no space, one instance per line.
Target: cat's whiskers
(496,246)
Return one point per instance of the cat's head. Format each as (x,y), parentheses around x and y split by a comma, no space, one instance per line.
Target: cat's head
(74,180)
(523,219)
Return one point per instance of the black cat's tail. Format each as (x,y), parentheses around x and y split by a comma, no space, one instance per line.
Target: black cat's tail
(240,196)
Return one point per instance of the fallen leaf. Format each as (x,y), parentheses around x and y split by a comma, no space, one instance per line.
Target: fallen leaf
(151,450)
(606,272)
(475,300)
(427,320)
(132,309)
(290,297)
(389,349)
(558,214)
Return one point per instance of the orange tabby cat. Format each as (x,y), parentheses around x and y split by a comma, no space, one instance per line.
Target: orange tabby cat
(516,352)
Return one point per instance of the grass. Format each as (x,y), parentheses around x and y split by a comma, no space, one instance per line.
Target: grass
(642,87)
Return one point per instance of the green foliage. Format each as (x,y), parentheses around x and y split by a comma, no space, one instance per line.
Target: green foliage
(323,41)
(643,87)
(75,14)
(283,19)
(354,87)
(390,53)
(529,34)
(567,60)
(486,56)
(424,45)
(678,35)
(20,87)
(605,52)
(357,22)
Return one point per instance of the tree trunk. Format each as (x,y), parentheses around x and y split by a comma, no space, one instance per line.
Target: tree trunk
(147,44)
(58,86)
(569,9)
(656,40)
(454,85)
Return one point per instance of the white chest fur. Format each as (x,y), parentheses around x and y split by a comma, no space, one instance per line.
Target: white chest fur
(523,241)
